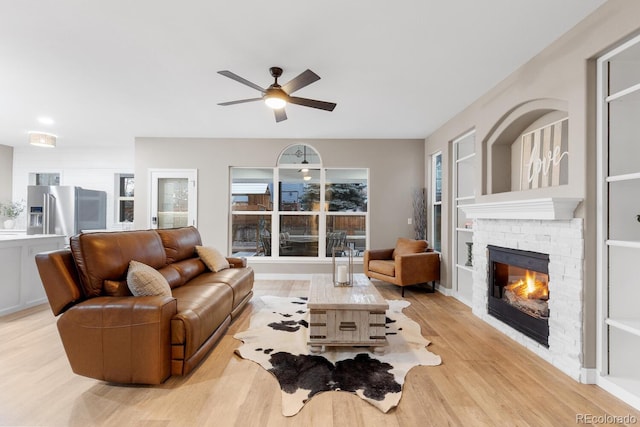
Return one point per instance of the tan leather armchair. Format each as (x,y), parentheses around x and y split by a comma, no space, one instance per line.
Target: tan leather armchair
(411,262)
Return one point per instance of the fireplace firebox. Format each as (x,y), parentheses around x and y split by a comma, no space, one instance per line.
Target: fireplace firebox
(518,290)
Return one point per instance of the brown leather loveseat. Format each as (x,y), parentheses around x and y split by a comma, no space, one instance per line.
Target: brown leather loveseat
(111,335)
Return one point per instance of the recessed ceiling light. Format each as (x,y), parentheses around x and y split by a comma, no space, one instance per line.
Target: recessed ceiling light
(45,120)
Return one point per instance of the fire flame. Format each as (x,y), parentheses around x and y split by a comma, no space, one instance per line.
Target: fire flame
(530,279)
(530,287)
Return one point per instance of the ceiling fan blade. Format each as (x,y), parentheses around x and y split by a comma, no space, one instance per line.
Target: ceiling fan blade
(321,105)
(234,76)
(304,79)
(240,101)
(280,114)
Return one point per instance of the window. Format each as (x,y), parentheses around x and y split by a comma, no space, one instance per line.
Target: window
(346,198)
(251,204)
(125,186)
(298,209)
(436,198)
(36,178)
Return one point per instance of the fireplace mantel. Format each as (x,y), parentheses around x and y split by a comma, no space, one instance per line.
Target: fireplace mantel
(551,208)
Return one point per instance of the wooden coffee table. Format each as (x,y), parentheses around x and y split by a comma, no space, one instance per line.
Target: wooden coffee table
(346,315)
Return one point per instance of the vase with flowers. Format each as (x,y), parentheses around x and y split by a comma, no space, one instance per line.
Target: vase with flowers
(10,211)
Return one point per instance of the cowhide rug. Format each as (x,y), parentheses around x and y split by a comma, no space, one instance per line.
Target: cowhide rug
(277,340)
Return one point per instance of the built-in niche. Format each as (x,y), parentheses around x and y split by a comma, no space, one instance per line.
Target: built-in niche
(528,148)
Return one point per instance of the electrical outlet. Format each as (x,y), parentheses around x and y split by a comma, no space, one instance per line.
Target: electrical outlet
(409,221)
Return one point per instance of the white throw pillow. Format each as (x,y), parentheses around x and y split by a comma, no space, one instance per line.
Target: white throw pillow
(143,280)
(212,258)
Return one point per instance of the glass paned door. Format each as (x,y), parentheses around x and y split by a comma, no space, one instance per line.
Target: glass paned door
(173,198)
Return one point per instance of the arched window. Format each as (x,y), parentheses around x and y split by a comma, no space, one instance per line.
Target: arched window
(299,154)
(299,208)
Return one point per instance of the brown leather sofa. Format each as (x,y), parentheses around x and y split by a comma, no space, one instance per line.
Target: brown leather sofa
(411,262)
(110,335)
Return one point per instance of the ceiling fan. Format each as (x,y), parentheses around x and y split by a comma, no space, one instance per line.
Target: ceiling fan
(276,96)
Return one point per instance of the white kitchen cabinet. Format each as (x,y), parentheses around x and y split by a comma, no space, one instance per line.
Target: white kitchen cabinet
(20,285)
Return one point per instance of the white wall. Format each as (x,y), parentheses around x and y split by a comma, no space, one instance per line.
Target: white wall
(91,168)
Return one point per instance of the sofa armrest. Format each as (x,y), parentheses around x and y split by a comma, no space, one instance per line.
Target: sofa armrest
(374,254)
(60,279)
(417,268)
(120,339)
(236,262)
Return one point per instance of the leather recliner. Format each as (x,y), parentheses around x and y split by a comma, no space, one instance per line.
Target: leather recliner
(110,335)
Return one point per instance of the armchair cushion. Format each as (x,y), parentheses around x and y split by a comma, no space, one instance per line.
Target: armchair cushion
(409,246)
(386,267)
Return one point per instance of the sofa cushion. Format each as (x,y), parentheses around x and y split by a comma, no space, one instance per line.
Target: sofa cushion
(172,275)
(201,309)
(146,281)
(183,271)
(212,258)
(239,280)
(409,246)
(386,267)
(106,255)
(179,243)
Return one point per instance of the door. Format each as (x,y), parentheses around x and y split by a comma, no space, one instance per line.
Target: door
(174,198)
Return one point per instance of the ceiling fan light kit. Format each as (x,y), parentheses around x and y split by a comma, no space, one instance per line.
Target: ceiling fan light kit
(274,99)
(276,96)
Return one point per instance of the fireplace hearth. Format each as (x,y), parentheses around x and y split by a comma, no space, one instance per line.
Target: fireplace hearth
(518,290)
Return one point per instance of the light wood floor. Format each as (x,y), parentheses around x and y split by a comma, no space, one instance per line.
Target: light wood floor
(485,380)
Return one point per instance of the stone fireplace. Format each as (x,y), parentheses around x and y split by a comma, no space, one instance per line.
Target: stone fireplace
(542,226)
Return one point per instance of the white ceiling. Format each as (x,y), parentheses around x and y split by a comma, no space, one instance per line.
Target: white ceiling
(109,71)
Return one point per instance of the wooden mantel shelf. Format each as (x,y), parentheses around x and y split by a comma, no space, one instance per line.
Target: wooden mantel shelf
(551,208)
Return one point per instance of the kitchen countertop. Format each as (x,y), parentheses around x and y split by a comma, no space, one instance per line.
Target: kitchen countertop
(14,235)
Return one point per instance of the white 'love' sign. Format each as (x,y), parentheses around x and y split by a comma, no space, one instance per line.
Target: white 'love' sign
(545,156)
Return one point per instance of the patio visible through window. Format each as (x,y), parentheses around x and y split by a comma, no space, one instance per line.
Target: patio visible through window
(299,208)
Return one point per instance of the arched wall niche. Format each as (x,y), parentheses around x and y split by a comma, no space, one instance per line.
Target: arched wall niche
(502,142)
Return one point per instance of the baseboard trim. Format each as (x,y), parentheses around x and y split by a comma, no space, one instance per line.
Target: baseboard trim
(588,376)
(618,391)
(444,291)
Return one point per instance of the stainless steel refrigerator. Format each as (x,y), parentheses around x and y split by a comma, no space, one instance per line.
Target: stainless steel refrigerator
(66,210)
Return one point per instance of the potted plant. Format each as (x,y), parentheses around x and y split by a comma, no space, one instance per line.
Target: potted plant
(11,211)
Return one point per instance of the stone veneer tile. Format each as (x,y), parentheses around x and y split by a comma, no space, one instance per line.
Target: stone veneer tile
(563,241)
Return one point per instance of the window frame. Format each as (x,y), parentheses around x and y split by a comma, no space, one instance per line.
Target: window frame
(120,198)
(276,214)
(436,176)
(34,177)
